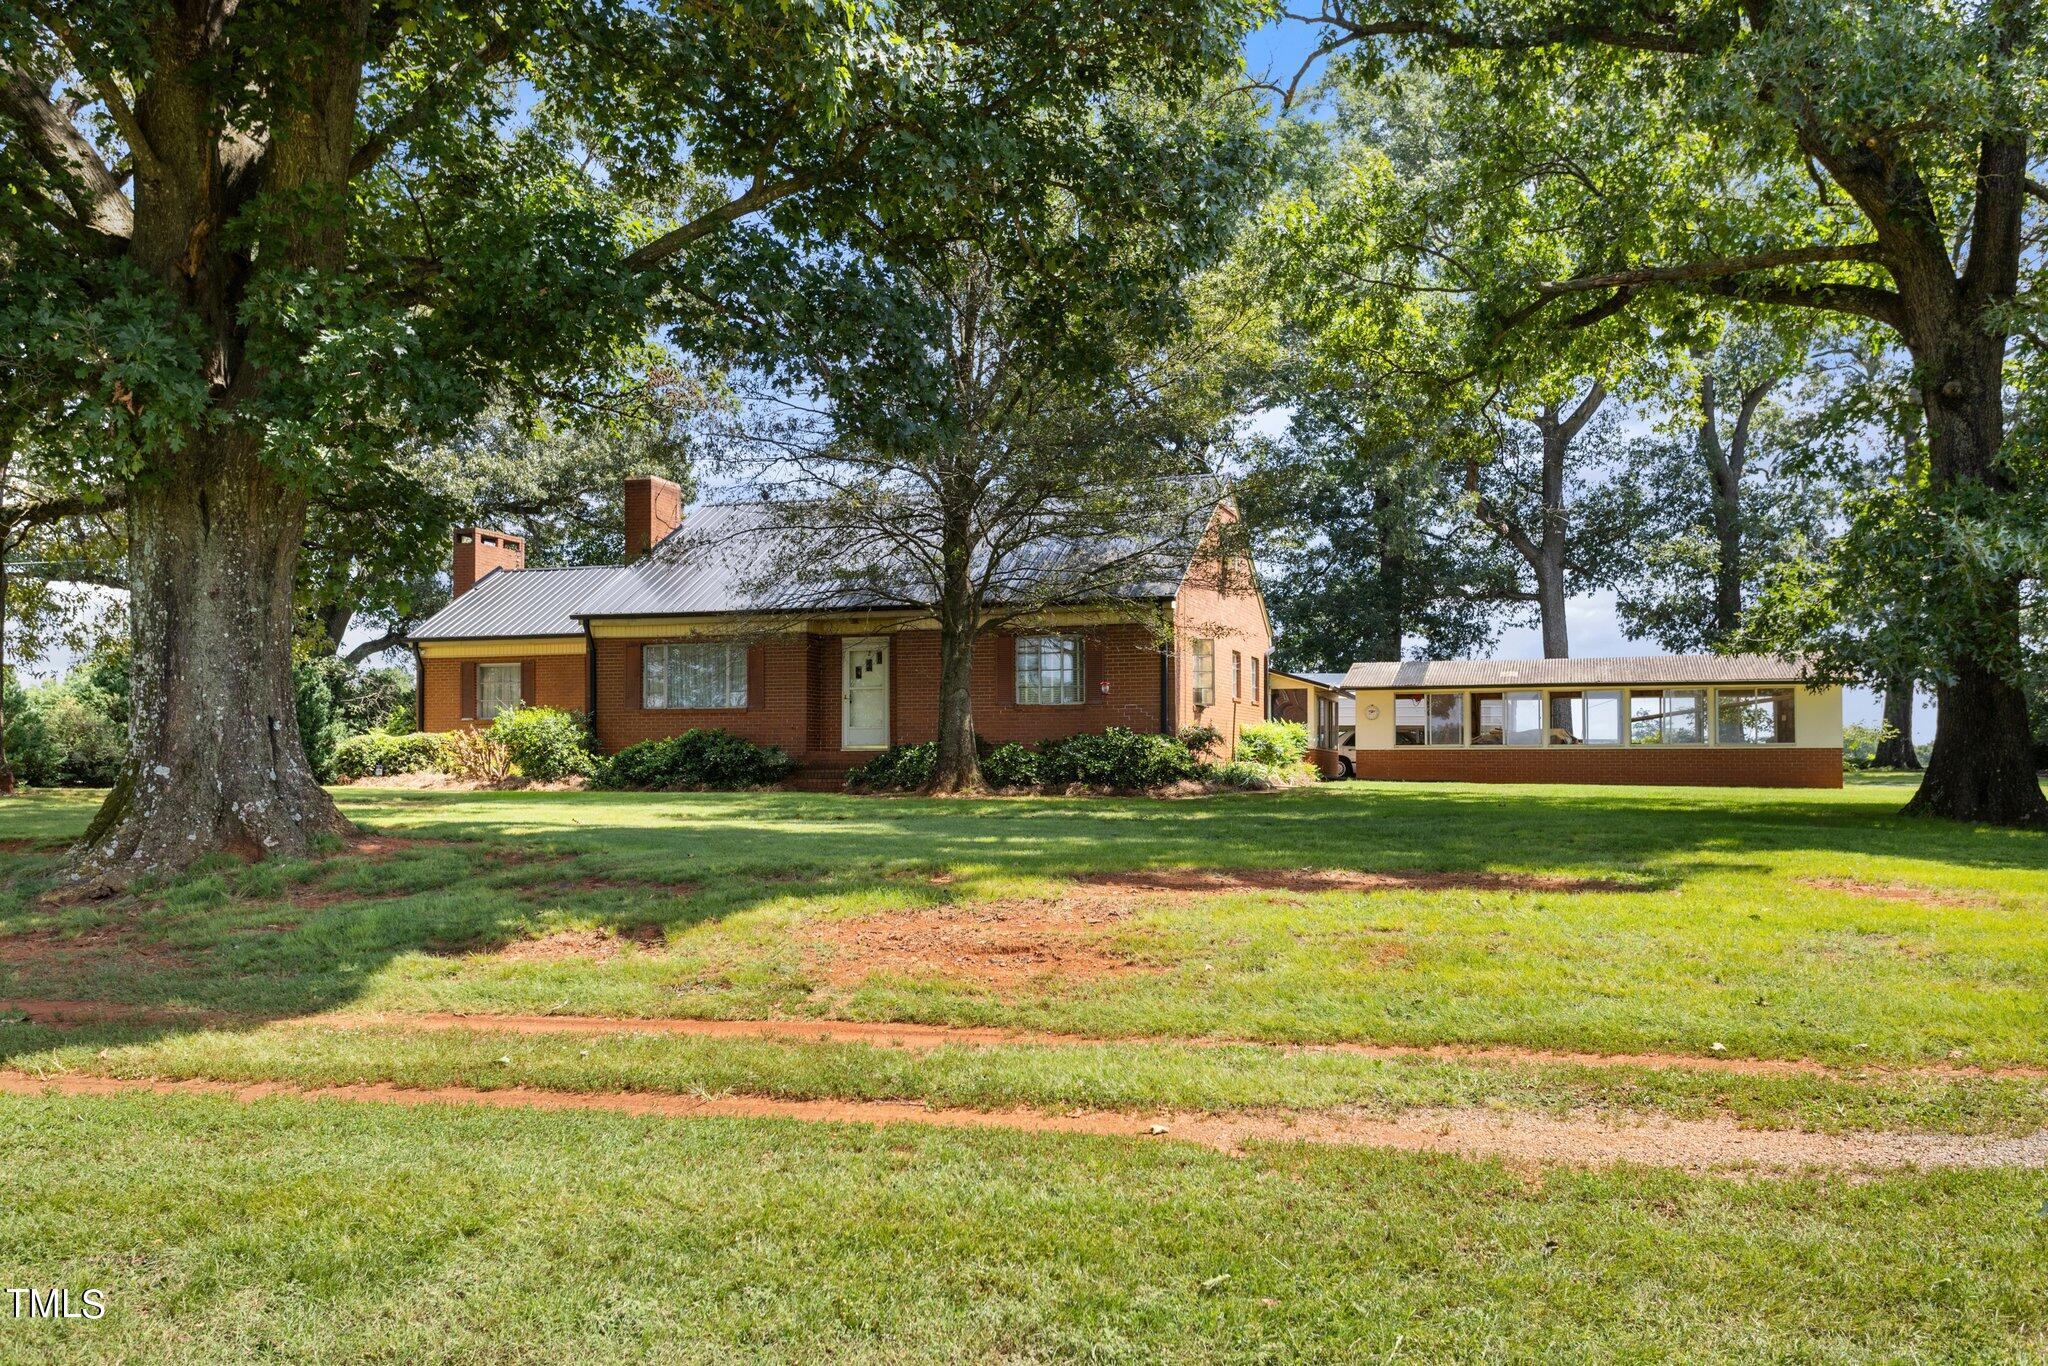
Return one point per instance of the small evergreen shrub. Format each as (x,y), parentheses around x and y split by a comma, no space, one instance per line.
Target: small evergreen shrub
(1278,744)
(475,756)
(1241,773)
(545,743)
(1009,765)
(710,759)
(899,768)
(1200,740)
(1116,758)
(377,754)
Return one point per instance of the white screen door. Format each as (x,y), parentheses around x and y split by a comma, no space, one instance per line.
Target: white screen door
(864,686)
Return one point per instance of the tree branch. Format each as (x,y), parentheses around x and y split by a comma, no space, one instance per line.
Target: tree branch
(497,48)
(1712,270)
(102,85)
(1550,35)
(66,157)
(758,196)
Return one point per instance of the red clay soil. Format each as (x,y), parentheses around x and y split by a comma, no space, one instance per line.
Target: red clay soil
(1580,1140)
(1215,880)
(994,943)
(1899,891)
(879,1034)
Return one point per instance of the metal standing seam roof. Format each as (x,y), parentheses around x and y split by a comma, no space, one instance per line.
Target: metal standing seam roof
(1570,673)
(716,561)
(518,602)
(713,564)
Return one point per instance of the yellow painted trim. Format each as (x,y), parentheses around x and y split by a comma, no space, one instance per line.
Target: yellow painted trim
(495,649)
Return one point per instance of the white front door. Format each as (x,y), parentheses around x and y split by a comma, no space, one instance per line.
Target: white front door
(864,687)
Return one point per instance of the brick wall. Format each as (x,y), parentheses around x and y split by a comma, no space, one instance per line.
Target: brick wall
(559,681)
(777,697)
(1691,766)
(1219,601)
(794,693)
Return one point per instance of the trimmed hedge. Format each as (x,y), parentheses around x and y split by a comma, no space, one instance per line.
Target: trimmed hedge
(376,754)
(696,760)
(1116,758)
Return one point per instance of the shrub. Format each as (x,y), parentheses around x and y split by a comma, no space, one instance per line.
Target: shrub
(897,768)
(1278,744)
(696,759)
(83,742)
(545,743)
(476,756)
(1009,765)
(1116,758)
(317,685)
(1200,740)
(378,754)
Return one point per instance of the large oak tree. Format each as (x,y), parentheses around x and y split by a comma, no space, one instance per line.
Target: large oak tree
(257,244)
(1874,162)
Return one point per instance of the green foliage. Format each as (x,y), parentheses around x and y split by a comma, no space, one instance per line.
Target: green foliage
(1010,765)
(1117,758)
(696,760)
(315,684)
(475,756)
(69,732)
(545,743)
(1860,741)
(379,754)
(1279,744)
(1200,740)
(899,768)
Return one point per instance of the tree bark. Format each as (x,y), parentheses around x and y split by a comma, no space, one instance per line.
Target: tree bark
(214,755)
(958,768)
(1896,750)
(6,765)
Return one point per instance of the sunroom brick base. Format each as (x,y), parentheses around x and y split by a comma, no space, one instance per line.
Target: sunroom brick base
(1705,766)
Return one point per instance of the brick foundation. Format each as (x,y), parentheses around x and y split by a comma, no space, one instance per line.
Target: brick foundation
(1688,766)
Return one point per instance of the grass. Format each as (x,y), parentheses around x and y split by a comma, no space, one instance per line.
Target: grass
(323,1231)
(303,1229)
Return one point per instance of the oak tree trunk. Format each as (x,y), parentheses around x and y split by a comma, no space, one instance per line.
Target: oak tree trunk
(1982,767)
(958,768)
(1896,749)
(6,765)
(214,760)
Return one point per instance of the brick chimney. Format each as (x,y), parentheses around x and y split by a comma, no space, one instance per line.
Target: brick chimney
(654,508)
(478,551)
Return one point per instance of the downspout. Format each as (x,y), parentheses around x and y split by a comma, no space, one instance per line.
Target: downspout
(419,688)
(590,678)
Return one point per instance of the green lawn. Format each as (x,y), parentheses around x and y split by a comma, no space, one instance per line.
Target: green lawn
(294,1228)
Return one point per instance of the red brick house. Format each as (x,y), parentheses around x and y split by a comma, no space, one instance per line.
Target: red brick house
(674,639)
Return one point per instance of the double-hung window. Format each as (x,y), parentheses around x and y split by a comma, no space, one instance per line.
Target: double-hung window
(1204,660)
(1048,670)
(694,676)
(497,689)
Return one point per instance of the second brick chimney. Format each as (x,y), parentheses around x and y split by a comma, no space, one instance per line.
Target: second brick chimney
(478,551)
(654,508)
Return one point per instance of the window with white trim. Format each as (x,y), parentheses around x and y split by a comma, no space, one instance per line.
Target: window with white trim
(1048,670)
(1203,653)
(497,689)
(1585,718)
(694,676)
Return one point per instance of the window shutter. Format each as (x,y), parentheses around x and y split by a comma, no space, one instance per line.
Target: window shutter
(757,673)
(1006,670)
(467,702)
(1092,672)
(636,677)
(527,668)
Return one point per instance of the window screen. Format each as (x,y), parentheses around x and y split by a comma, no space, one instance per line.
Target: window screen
(1411,719)
(1446,718)
(1525,718)
(1205,672)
